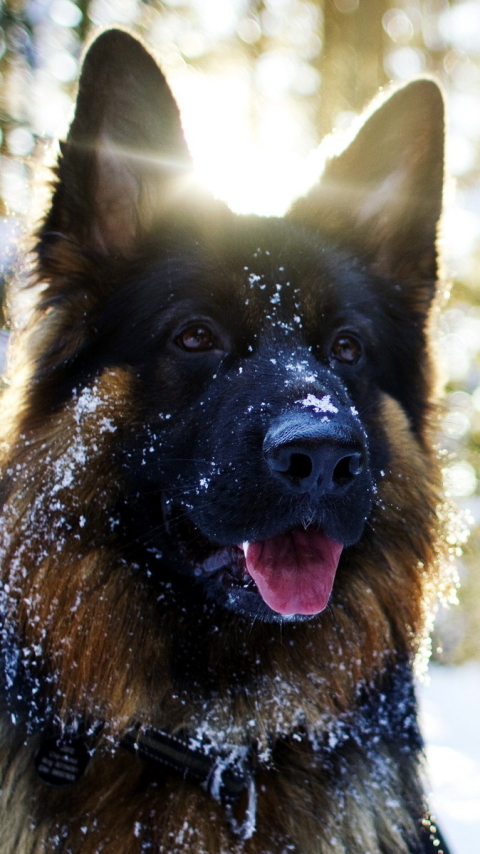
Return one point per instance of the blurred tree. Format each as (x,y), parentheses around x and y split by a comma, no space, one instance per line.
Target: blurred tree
(16,56)
(352,61)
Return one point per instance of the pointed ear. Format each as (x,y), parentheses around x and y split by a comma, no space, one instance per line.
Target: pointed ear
(125,156)
(382,196)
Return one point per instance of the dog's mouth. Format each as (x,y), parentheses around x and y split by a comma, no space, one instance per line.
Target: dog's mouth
(292,573)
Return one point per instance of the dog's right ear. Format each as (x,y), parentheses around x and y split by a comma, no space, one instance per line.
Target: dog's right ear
(125,158)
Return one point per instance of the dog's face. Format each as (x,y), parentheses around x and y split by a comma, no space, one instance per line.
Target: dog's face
(262,350)
(253,466)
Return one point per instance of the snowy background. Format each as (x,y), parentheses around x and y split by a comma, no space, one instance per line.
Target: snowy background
(450,716)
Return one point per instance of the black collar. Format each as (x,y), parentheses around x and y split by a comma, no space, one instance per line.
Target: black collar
(226,774)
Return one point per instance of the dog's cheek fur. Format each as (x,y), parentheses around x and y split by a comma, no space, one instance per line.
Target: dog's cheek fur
(67,591)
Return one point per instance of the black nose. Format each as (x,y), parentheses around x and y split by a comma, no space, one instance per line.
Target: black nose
(315,456)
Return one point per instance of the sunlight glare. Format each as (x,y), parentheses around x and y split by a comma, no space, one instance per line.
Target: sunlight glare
(256,169)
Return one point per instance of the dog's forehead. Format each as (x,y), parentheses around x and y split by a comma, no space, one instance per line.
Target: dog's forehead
(277,252)
(283,273)
(257,273)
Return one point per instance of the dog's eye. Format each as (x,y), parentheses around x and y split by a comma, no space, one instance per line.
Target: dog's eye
(346,348)
(196,339)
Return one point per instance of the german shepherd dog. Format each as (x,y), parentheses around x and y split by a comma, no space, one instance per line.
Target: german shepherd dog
(220,529)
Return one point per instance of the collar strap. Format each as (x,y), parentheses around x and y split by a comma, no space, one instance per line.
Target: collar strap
(224,774)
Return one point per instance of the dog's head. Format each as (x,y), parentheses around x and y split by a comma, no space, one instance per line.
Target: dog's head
(263,353)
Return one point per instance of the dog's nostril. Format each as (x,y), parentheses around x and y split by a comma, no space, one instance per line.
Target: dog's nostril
(300,466)
(347,468)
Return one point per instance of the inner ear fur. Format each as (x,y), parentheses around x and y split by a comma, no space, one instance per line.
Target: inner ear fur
(382,195)
(125,158)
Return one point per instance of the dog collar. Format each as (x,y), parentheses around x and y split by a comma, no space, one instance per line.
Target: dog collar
(225,774)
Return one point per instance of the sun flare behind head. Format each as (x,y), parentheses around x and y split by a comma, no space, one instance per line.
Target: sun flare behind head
(255,164)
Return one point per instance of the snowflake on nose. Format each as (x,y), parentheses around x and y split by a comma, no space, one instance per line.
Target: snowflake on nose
(318,404)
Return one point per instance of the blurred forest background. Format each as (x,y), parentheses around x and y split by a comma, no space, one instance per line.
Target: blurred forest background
(260,84)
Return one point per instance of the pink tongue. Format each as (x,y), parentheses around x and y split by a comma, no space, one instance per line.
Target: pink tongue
(294,572)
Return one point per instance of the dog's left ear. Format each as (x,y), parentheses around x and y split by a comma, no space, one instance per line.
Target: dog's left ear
(382,196)
(125,156)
